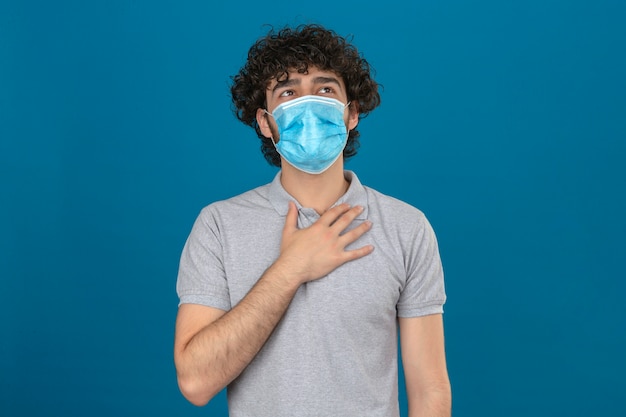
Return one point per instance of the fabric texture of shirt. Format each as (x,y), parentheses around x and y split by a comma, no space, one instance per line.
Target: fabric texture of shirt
(334,353)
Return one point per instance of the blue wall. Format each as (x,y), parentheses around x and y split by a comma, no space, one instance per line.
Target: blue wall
(505,122)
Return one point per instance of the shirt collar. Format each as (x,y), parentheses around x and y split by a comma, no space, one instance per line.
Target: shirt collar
(356,195)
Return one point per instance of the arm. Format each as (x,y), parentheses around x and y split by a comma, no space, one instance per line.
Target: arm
(424,364)
(212,347)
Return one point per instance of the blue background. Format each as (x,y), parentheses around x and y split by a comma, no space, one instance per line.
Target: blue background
(505,122)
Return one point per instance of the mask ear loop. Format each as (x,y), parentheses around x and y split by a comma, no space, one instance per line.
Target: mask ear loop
(347,107)
(271,137)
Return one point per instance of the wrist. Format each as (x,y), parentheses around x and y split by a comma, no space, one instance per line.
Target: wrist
(283,272)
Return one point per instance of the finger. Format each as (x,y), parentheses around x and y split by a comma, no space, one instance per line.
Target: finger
(354,254)
(355,233)
(333,213)
(347,218)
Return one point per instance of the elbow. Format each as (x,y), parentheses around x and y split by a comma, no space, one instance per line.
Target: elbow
(198,400)
(196,392)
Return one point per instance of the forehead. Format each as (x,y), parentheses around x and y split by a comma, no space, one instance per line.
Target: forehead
(312,76)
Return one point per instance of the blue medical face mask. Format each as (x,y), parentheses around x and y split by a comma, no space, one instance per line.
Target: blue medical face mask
(312,132)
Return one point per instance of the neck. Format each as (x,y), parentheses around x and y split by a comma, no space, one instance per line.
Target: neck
(318,192)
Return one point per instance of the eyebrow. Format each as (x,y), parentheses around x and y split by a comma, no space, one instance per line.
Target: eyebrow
(289,82)
(296,81)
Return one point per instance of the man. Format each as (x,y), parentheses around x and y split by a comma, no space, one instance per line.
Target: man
(291,294)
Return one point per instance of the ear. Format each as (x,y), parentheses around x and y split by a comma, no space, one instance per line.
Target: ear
(353,115)
(263,122)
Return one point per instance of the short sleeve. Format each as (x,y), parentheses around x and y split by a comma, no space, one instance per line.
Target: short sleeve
(424,292)
(201,277)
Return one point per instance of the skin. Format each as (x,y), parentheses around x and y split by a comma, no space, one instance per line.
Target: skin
(212,347)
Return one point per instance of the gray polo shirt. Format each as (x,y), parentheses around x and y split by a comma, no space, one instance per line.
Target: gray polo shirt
(334,353)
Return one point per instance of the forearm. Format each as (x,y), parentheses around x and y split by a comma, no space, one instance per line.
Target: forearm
(221,351)
(435,402)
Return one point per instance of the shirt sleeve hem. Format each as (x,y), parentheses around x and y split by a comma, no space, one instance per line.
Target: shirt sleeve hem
(419,311)
(205,300)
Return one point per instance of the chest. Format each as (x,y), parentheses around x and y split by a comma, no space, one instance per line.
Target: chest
(368,288)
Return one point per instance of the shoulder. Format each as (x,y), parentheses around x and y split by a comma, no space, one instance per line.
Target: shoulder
(256,199)
(398,221)
(391,208)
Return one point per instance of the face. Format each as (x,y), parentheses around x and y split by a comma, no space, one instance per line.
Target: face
(314,82)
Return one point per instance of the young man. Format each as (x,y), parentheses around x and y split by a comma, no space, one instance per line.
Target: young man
(291,294)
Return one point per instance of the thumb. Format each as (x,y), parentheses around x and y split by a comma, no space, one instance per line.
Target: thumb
(291,220)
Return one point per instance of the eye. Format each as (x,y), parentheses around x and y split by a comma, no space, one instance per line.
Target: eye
(327,90)
(286,93)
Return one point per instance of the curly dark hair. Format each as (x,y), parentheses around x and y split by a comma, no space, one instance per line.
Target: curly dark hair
(274,55)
